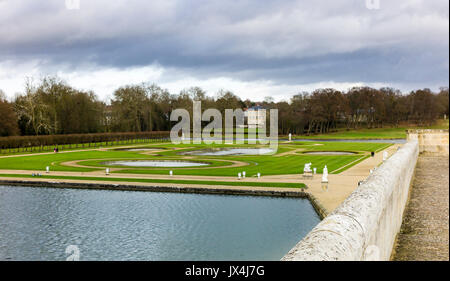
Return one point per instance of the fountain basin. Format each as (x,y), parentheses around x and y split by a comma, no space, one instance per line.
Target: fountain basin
(155,163)
(229,151)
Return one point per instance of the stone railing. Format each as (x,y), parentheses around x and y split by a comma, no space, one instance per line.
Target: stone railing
(365,225)
(431,141)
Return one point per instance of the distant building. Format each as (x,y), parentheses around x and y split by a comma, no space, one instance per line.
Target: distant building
(255,117)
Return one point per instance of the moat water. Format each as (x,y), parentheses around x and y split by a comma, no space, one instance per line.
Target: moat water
(40,223)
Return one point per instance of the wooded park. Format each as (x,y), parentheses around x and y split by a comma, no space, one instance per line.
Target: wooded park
(53,107)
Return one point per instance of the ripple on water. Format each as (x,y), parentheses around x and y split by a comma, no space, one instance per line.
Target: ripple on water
(39,223)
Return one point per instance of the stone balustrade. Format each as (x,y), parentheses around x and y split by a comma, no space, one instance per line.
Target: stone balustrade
(365,225)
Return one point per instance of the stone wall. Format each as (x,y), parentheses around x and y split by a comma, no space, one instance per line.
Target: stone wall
(365,225)
(431,141)
(42,182)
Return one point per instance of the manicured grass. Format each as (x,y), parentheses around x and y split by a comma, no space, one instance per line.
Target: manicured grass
(39,162)
(287,160)
(290,164)
(376,133)
(348,146)
(193,182)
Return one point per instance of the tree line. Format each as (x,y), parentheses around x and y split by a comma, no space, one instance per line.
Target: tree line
(325,110)
(49,142)
(53,107)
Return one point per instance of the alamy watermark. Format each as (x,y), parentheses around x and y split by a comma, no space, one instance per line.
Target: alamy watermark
(233,132)
(73,253)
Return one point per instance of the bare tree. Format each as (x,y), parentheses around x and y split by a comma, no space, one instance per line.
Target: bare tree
(32,108)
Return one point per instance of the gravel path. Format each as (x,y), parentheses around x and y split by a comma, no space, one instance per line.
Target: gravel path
(424,234)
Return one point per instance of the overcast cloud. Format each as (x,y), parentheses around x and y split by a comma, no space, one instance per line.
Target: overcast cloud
(255,48)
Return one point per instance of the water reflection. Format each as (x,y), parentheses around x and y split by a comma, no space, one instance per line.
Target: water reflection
(229,151)
(150,163)
(39,223)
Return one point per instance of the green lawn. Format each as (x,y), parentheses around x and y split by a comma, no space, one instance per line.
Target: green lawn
(377,133)
(291,163)
(266,165)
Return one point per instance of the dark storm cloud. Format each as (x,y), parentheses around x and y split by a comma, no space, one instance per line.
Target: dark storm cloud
(289,42)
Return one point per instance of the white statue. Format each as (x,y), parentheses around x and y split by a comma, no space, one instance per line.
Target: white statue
(325,174)
(307,168)
(290,137)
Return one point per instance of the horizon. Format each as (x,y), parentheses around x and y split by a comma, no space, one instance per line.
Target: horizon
(215,95)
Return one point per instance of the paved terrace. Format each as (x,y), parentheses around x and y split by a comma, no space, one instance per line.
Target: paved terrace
(424,234)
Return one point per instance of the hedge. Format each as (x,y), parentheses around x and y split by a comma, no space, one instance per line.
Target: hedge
(58,140)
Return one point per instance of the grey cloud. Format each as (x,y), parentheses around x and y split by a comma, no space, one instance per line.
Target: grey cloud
(283,41)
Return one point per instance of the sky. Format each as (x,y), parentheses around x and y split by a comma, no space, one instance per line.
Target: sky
(254,48)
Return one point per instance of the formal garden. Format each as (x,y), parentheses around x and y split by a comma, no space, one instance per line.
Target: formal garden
(212,162)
